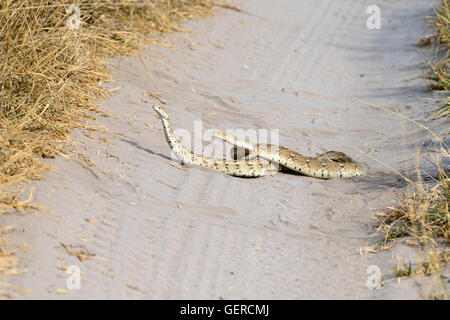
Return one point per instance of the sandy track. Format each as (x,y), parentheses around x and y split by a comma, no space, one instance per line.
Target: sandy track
(303,67)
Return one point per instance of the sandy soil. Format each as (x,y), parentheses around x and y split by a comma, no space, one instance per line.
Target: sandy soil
(308,68)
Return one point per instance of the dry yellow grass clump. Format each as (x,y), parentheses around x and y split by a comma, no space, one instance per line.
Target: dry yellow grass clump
(51,70)
(422,214)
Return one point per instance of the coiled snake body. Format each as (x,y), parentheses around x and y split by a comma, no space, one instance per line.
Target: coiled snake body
(328,165)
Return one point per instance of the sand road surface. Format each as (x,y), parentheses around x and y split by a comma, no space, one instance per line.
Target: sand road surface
(138,227)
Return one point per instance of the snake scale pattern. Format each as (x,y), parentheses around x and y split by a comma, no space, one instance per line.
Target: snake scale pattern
(328,165)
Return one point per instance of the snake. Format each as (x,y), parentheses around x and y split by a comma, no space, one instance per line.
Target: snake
(328,165)
(248,169)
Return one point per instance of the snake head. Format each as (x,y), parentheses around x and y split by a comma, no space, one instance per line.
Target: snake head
(160,111)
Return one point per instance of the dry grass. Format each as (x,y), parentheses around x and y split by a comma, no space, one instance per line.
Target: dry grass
(50,75)
(427,267)
(422,213)
(421,216)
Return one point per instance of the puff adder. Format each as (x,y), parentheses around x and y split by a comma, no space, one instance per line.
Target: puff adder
(328,165)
